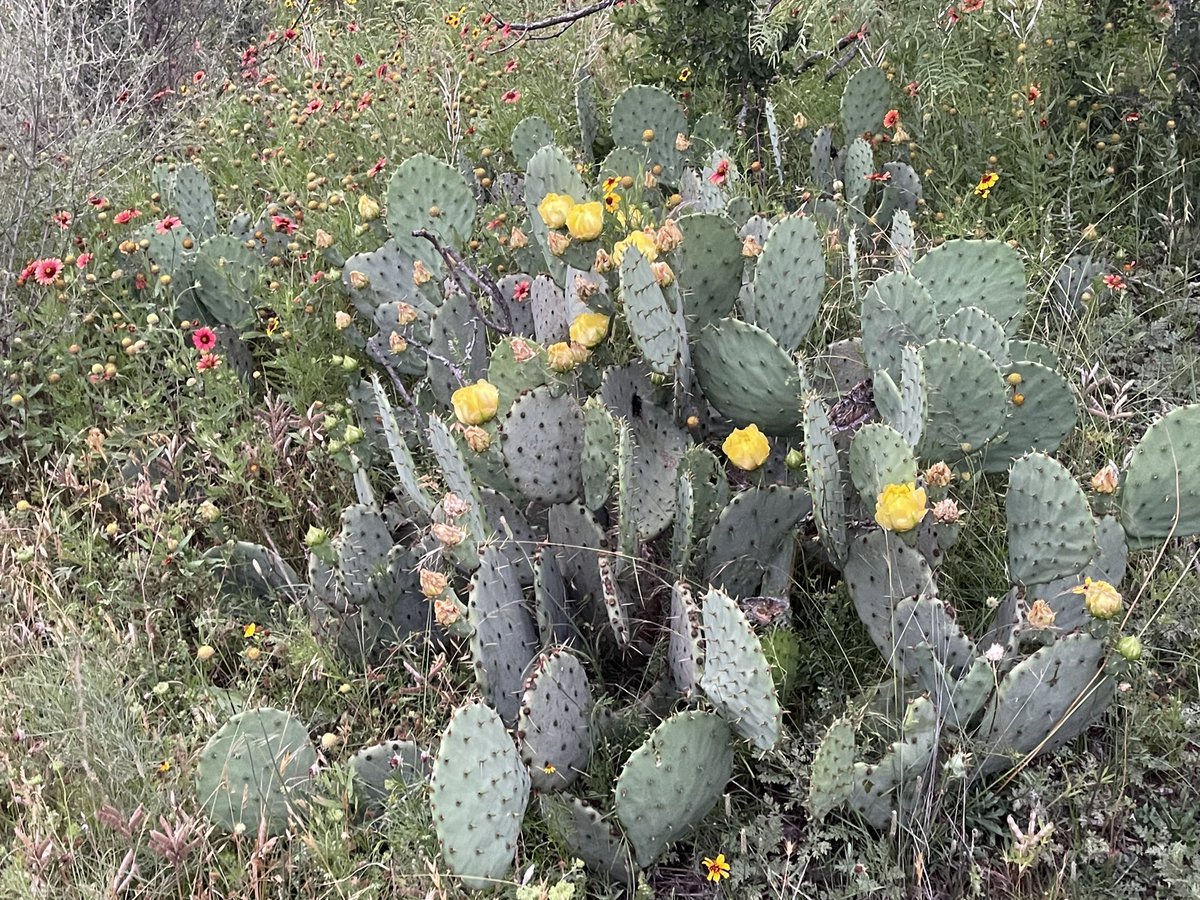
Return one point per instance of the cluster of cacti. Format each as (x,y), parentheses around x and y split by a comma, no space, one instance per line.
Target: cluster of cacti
(557,486)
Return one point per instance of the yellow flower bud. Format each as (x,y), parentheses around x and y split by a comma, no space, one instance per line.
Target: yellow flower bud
(747,448)
(585,221)
(554,208)
(900,507)
(589,328)
(368,208)
(476,403)
(1101,599)
(517,239)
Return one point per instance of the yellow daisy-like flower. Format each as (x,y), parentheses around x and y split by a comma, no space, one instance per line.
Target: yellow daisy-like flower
(715,869)
(986,183)
(685,74)
(610,184)
(612,202)
(249,631)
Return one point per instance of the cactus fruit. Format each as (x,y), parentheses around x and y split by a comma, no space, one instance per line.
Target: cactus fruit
(737,677)
(669,784)
(256,772)
(479,790)
(552,728)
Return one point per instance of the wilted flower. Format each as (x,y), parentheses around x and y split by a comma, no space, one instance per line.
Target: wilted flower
(558,243)
(1102,599)
(475,403)
(323,239)
(946,512)
(668,236)
(433,584)
(358,280)
(517,239)
(560,357)
(448,535)
(477,438)
(900,507)
(1106,479)
(406,314)
(939,475)
(1040,615)
(682,144)
(589,328)
(396,342)
(521,350)
(341,320)
(747,448)
(454,506)
(662,273)
(445,612)
(421,274)
(751,248)
(368,208)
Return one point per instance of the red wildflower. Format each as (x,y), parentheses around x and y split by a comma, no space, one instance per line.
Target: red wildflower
(291,34)
(892,119)
(358,59)
(284,224)
(952,14)
(382,71)
(511,66)
(122,97)
(198,76)
(720,173)
(97,201)
(1114,282)
(139,281)
(204,339)
(313,105)
(126,215)
(364,101)
(511,96)
(1035,91)
(46,270)
(352,27)
(970,6)
(879,176)
(62,219)
(377,168)
(521,291)
(912,87)
(1132,116)
(83,260)
(208,361)
(165,224)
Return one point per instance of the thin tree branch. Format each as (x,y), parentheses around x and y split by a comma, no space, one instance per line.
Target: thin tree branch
(567,18)
(458,270)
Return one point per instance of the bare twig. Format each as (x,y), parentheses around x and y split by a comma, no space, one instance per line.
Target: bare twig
(562,19)
(459,270)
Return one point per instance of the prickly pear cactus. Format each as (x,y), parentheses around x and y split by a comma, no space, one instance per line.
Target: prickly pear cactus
(748,377)
(586,833)
(503,633)
(552,727)
(1160,489)
(393,766)
(1051,533)
(671,782)
(542,438)
(832,780)
(256,772)
(479,790)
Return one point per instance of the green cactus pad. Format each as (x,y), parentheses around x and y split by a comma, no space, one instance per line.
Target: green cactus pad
(517,313)
(865,101)
(747,534)
(226,275)
(383,768)
(789,279)
(904,407)
(426,193)
(458,347)
(658,448)
(901,192)
(858,165)
(578,542)
(363,545)
(1042,420)
(926,621)
(402,459)
(555,624)
(683,536)
(670,783)
(510,531)
(256,771)
(973,326)
(903,240)
(881,571)
(709,265)
(551,317)
(479,790)
(190,194)
(1051,533)
(530,136)
(685,643)
(1044,702)
(821,159)
(512,378)
(503,635)
(553,727)
(543,445)
(389,270)
(737,677)
(457,476)
(599,452)
(825,479)
(892,785)
(585,114)
(641,108)
(1109,563)
(748,377)
(1032,351)
(986,274)
(252,570)
(589,837)
(652,323)
(168,252)
(617,604)
(961,696)
(879,456)
(1160,488)
(832,780)
(966,399)
(896,310)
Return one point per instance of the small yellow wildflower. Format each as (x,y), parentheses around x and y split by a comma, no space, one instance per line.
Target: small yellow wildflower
(986,183)
(249,631)
(715,869)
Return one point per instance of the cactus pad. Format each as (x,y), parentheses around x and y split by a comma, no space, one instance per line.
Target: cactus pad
(966,399)
(543,444)
(747,534)
(383,767)
(553,724)
(748,377)
(789,279)
(652,323)
(1160,489)
(1051,533)
(503,635)
(832,778)
(588,836)
(986,274)
(879,456)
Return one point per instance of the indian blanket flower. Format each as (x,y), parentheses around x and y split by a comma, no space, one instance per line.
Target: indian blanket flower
(900,507)
(1114,282)
(167,223)
(891,119)
(521,291)
(125,216)
(715,869)
(45,271)
(62,219)
(554,208)
(83,260)
(721,173)
(747,448)
(1031,95)
(585,221)
(204,339)
(986,183)
(1101,599)
(510,96)
(208,361)
(377,168)
(589,328)
(475,403)
(284,224)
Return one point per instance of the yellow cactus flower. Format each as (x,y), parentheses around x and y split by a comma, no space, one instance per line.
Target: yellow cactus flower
(476,403)
(368,208)
(585,221)
(560,357)
(554,208)
(900,507)
(1101,599)
(589,328)
(643,242)
(747,448)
